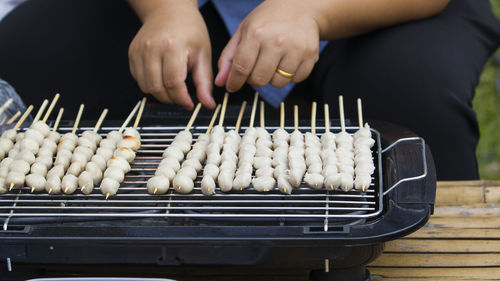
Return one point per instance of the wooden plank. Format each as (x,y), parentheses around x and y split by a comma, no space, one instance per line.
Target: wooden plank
(492,194)
(481,233)
(463,222)
(477,210)
(457,273)
(437,260)
(443,246)
(458,195)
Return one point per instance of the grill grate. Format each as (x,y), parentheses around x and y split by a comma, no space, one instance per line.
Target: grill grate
(133,201)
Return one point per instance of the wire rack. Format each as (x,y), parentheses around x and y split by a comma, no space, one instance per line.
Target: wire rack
(133,201)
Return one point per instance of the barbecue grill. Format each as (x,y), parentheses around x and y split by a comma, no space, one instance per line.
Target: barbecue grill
(318,230)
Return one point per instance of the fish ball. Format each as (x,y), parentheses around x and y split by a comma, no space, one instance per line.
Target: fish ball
(158,185)
(69,183)
(36,182)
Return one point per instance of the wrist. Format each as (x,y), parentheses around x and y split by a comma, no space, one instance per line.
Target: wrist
(149,8)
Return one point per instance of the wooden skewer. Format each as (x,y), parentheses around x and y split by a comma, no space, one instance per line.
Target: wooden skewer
(107,196)
(262,120)
(240,116)
(193,117)
(21,120)
(212,121)
(282,115)
(341,109)
(129,117)
(13,118)
(6,105)
(40,111)
(58,119)
(327,118)
(296,117)
(313,118)
(254,108)
(11,186)
(139,114)
(78,116)
(223,112)
(101,119)
(360,114)
(51,107)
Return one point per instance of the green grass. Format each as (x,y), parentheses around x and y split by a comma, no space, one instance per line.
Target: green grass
(487,106)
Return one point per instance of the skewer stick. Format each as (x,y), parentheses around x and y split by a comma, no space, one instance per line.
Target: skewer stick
(296,117)
(313,118)
(129,117)
(139,114)
(58,119)
(40,111)
(223,112)
(240,116)
(101,119)
(11,186)
(262,120)
(282,115)
(21,120)
(360,114)
(193,117)
(327,118)
(78,116)
(6,105)
(51,107)
(341,110)
(254,108)
(107,196)
(13,118)
(212,121)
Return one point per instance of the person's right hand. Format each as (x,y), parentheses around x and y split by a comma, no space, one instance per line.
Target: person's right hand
(172,42)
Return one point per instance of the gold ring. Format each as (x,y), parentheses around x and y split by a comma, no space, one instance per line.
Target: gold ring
(284,73)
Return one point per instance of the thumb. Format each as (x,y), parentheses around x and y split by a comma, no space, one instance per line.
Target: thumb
(226,58)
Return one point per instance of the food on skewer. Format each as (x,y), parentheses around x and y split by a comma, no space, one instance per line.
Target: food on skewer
(280,154)
(64,152)
(328,155)
(296,160)
(246,153)
(110,183)
(364,166)
(313,177)
(229,156)
(214,158)
(345,153)
(264,180)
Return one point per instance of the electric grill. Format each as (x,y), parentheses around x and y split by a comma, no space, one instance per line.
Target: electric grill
(318,230)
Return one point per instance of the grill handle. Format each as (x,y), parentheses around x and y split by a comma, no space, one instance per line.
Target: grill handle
(424,161)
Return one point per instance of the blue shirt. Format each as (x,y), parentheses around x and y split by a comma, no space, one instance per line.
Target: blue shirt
(232,13)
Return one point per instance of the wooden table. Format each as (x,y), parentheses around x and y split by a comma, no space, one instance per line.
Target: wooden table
(461,241)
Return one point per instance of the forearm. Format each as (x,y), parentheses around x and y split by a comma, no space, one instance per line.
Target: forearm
(344,18)
(144,8)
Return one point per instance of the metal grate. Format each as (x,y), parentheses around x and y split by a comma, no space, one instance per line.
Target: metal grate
(133,201)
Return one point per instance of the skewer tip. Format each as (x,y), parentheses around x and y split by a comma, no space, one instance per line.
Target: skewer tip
(66,190)
(107,196)
(50,191)
(156,190)
(11,186)
(284,189)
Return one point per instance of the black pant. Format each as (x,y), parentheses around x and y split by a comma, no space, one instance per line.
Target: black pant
(420,75)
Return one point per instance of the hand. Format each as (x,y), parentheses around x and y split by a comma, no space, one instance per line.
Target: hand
(172,42)
(277,34)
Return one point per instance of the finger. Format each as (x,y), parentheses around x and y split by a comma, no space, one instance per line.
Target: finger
(243,63)
(153,81)
(202,78)
(265,67)
(174,72)
(289,63)
(136,69)
(226,58)
(303,71)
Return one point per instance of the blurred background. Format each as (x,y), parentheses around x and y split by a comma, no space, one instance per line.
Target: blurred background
(486,104)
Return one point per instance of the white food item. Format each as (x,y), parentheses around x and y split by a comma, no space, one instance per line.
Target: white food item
(69,184)
(34,135)
(120,163)
(132,132)
(29,145)
(364,166)
(264,180)
(84,150)
(229,159)
(105,152)
(182,183)
(114,173)
(208,186)
(263,184)
(36,182)
(86,182)
(280,160)
(109,186)
(87,142)
(188,171)
(114,136)
(6,144)
(165,171)
(107,143)
(158,185)
(49,145)
(313,177)
(6,162)
(75,168)
(345,158)
(125,153)
(19,137)
(26,156)
(284,185)
(10,134)
(56,171)
(193,163)
(41,127)
(314,180)
(173,152)
(91,135)
(3,187)
(80,158)
(225,180)
(19,166)
(54,136)
(53,185)
(64,161)
(129,142)
(95,171)
(39,169)
(99,161)
(211,170)
(15,178)
(296,160)
(171,163)
(4,171)
(66,144)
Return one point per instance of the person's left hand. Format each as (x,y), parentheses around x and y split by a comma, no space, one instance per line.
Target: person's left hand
(280,34)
